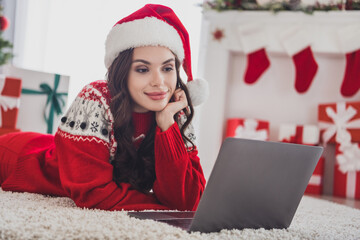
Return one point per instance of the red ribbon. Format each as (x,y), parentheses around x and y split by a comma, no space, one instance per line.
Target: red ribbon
(297,138)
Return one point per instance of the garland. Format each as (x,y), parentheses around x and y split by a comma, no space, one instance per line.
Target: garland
(276,6)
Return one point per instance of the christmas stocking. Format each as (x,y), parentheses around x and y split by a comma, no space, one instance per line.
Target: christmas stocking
(253,41)
(297,46)
(349,39)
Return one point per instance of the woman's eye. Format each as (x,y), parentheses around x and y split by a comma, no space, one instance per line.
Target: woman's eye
(168,69)
(142,70)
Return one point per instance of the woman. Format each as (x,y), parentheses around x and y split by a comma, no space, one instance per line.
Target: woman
(125,143)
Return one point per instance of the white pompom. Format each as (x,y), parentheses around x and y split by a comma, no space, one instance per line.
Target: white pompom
(198,90)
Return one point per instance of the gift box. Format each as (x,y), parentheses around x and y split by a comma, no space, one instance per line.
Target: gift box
(307,135)
(339,122)
(10,89)
(300,134)
(347,171)
(43,99)
(4,131)
(247,128)
(315,185)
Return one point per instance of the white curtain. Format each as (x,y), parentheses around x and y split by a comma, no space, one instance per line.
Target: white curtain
(67,36)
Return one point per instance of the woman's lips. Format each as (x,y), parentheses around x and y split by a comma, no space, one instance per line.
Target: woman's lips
(156,95)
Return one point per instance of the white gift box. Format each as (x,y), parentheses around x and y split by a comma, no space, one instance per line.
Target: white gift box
(38,106)
(300,134)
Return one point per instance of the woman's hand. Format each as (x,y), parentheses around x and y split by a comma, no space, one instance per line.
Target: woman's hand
(165,117)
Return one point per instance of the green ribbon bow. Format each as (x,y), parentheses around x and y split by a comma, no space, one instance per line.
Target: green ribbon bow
(54,102)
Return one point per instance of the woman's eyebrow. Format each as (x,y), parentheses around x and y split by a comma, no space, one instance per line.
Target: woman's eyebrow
(148,63)
(142,61)
(169,60)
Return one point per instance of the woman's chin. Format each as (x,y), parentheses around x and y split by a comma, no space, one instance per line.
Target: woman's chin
(157,107)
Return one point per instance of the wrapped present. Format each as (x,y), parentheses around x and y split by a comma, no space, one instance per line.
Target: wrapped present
(10,89)
(300,134)
(347,171)
(339,122)
(248,128)
(4,131)
(315,185)
(43,98)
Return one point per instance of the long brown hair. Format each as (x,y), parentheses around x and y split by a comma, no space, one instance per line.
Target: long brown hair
(136,167)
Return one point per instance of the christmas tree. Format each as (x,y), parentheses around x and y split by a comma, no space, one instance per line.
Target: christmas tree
(5,46)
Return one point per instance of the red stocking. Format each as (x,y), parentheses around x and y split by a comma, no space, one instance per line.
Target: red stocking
(349,42)
(305,68)
(257,63)
(297,44)
(253,40)
(351,81)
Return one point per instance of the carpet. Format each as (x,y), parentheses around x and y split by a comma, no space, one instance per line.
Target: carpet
(34,216)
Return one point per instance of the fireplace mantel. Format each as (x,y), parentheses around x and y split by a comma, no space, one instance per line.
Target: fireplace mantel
(216,65)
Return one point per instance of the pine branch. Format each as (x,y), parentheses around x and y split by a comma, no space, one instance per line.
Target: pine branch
(5,50)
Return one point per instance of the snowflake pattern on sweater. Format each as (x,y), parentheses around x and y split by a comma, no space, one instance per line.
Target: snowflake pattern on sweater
(89,117)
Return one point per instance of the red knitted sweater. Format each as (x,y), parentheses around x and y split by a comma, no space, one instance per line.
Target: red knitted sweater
(76,162)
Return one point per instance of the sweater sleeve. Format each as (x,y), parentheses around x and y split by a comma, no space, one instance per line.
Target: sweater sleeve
(179,177)
(85,145)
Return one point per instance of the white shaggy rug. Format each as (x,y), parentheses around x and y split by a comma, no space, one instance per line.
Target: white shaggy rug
(34,216)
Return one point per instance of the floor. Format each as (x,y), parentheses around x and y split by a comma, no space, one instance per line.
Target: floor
(344,201)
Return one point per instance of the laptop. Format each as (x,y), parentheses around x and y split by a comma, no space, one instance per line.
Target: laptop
(253,184)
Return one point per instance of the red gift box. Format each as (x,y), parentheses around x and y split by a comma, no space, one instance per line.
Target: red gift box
(4,131)
(247,128)
(10,89)
(339,122)
(300,134)
(315,185)
(347,171)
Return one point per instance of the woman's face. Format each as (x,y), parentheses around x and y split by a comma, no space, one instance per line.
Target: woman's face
(152,78)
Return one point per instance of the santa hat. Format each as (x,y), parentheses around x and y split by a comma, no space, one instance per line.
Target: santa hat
(155,25)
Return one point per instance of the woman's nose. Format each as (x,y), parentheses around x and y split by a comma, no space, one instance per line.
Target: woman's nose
(157,78)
